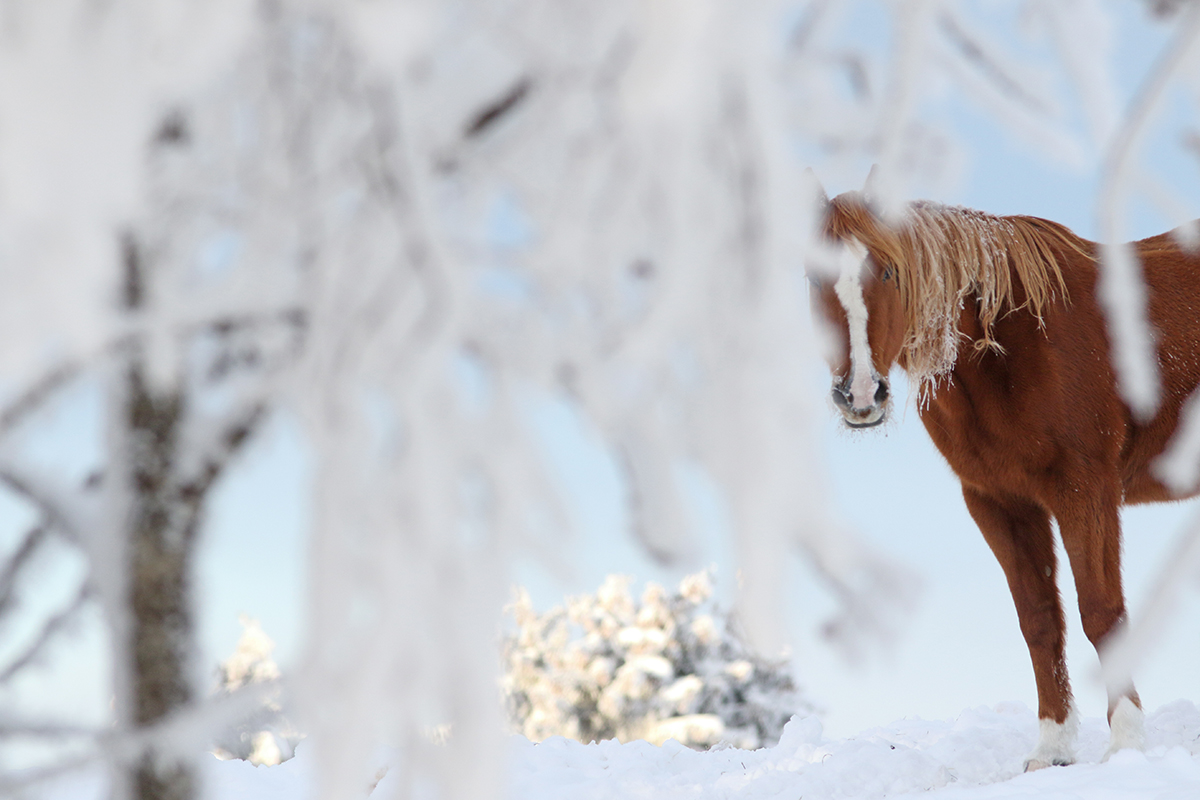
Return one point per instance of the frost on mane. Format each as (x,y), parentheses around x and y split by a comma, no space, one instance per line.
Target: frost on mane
(669,666)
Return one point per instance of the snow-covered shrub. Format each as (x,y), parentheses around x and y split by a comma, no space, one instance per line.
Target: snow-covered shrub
(670,667)
(264,735)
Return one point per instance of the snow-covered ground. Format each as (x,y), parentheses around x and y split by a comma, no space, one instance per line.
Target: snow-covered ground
(977,756)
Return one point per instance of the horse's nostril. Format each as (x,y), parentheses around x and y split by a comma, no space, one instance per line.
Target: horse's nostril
(881,393)
(840,398)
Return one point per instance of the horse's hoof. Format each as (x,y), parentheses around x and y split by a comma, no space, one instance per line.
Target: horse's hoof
(1056,743)
(1128,728)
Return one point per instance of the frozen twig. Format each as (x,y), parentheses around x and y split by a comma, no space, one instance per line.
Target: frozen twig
(51,627)
(226,324)
(806,29)
(976,54)
(18,728)
(8,577)
(37,394)
(874,595)
(42,498)
(1165,9)
(217,450)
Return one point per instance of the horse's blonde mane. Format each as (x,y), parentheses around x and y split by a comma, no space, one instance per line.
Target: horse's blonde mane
(947,256)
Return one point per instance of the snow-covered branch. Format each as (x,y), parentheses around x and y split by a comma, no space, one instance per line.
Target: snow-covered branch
(1137,639)
(1121,289)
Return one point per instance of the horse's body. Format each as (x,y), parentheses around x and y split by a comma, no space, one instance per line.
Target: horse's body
(1011,361)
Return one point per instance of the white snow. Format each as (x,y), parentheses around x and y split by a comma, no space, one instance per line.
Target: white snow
(976,756)
(979,755)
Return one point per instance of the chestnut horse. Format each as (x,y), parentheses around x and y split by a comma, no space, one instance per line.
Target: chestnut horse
(996,322)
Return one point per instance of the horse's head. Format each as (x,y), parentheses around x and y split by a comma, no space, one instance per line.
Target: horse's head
(856,300)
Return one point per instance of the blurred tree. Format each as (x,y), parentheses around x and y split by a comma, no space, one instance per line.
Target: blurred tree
(671,666)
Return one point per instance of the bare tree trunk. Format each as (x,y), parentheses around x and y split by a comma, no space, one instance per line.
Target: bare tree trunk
(162,527)
(165,493)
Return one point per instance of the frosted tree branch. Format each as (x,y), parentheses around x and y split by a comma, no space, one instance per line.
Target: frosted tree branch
(1083,31)
(913,20)
(1184,227)
(1136,640)
(1179,465)
(1121,290)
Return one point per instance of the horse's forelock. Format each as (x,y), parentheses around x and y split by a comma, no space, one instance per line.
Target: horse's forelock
(849,217)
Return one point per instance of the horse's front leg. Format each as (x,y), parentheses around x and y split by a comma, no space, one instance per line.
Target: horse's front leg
(1090,524)
(1018,531)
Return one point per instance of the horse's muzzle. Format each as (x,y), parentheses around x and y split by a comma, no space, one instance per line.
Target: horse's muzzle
(868,417)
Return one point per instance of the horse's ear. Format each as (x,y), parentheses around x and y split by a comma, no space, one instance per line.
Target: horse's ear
(870,190)
(818,191)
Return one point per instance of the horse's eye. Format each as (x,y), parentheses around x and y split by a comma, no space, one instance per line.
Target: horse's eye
(887,274)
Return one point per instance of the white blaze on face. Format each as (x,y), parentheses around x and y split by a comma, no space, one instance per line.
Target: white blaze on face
(849,291)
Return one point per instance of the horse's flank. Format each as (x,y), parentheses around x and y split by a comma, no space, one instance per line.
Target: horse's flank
(946,256)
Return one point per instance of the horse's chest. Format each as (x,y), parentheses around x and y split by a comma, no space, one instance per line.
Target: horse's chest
(987,448)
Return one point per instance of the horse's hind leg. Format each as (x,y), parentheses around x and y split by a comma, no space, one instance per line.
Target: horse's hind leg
(1090,525)
(1018,531)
